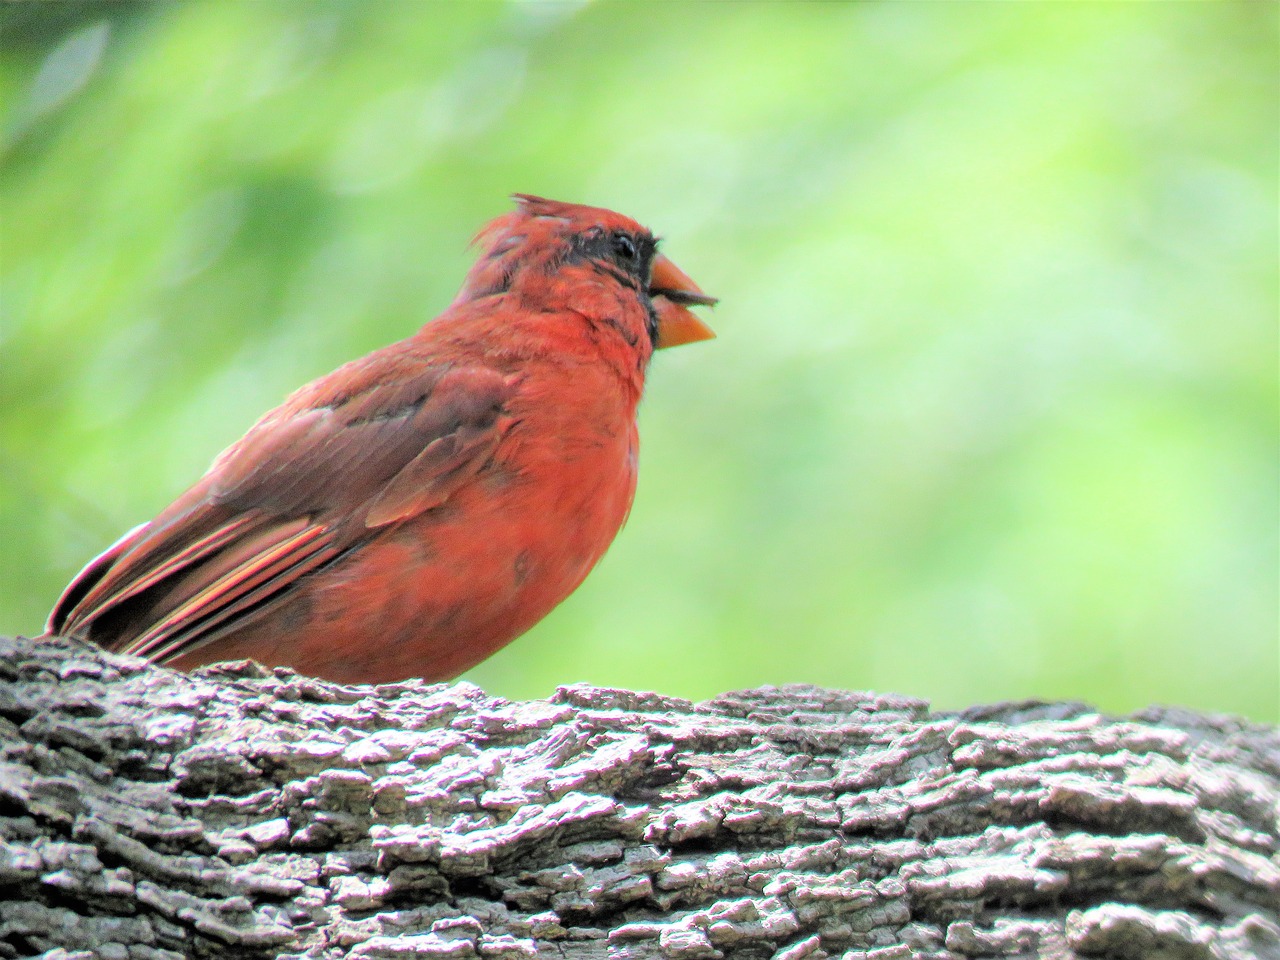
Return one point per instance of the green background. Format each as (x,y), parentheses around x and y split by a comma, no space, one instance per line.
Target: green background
(993,411)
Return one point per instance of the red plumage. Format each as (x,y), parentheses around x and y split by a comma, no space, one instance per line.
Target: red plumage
(417,509)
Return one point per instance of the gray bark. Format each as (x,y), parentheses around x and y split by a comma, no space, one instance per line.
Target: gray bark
(238,813)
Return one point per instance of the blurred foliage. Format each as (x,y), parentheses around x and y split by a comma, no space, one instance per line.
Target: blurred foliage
(992,414)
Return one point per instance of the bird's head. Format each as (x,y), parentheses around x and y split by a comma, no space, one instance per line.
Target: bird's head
(541,237)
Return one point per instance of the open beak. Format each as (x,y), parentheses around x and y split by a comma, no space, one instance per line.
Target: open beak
(673,293)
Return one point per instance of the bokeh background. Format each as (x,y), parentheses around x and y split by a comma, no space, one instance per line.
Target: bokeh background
(993,410)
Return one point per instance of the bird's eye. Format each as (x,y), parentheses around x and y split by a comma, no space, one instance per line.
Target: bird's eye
(624,247)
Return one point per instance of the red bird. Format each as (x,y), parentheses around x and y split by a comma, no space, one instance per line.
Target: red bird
(417,509)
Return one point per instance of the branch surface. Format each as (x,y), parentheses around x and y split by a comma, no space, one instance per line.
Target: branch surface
(239,813)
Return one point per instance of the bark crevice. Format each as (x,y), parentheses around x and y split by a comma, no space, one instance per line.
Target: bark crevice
(241,813)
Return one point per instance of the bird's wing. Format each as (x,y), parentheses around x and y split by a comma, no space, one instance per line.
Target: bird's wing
(378,441)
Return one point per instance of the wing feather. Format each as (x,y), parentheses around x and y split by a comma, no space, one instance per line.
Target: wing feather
(114,588)
(249,576)
(375,443)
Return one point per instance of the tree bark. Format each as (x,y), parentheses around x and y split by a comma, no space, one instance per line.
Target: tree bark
(240,813)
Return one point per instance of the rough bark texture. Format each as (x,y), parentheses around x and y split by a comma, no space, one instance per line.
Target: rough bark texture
(237,813)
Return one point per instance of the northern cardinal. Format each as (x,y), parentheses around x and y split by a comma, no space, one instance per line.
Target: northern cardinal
(419,508)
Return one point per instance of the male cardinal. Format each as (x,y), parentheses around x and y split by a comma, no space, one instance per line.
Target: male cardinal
(419,508)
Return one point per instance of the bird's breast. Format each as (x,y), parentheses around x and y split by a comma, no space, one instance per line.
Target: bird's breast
(434,594)
(462,580)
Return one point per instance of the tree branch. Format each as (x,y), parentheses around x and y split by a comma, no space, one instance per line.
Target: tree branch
(237,813)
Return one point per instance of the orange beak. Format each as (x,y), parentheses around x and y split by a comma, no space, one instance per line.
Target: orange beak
(672,291)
